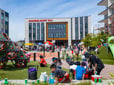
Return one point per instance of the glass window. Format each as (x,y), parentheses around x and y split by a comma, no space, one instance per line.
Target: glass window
(112,11)
(7,27)
(58,31)
(2,16)
(34,31)
(38,31)
(30,31)
(81,27)
(42,31)
(86,25)
(76,28)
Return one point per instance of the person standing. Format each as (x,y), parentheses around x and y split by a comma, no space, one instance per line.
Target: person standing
(84,50)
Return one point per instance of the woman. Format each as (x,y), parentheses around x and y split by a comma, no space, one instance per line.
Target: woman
(84,50)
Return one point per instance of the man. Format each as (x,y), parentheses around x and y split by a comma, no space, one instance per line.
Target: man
(96,62)
(60,75)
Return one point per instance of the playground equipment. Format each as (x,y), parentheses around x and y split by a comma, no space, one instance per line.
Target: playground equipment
(111,44)
(9,50)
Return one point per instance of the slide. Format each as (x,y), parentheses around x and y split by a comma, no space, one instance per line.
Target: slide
(111,44)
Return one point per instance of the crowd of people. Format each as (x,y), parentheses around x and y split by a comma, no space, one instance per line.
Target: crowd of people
(81,70)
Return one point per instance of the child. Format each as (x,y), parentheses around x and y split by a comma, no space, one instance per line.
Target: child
(60,75)
(73,67)
(80,71)
(43,62)
(55,61)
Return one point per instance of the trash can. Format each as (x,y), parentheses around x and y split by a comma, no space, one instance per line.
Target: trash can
(32,73)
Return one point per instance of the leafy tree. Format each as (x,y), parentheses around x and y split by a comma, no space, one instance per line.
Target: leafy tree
(95,39)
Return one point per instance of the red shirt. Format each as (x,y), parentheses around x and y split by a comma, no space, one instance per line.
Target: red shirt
(43,61)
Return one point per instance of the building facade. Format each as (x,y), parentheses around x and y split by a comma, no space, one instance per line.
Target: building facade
(4,21)
(108,15)
(62,30)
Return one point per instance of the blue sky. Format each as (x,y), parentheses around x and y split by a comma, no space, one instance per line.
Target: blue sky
(20,9)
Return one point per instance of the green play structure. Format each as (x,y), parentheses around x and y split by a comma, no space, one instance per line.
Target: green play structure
(111,44)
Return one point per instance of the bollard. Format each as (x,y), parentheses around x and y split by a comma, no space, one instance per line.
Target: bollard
(34,56)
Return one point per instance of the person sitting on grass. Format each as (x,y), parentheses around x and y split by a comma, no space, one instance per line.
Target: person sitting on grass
(43,62)
(60,75)
(80,71)
(55,61)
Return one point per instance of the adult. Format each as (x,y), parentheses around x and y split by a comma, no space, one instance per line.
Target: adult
(84,50)
(95,63)
(76,50)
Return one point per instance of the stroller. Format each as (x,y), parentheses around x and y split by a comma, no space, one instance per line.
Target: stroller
(32,73)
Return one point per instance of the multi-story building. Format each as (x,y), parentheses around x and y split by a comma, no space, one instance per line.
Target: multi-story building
(108,15)
(4,21)
(63,30)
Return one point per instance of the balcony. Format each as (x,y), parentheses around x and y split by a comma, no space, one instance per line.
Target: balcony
(105,12)
(112,16)
(111,6)
(103,3)
(104,20)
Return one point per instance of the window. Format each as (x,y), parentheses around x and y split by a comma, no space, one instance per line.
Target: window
(113,11)
(30,31)
(34,31)
(38,31)
(86,25)
(2,16)
(57,31)
(76,28)
(6,16)
(6,27)
(81,27)
(42,31)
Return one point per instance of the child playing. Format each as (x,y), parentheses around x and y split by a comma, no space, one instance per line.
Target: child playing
(80,71)
(43,62)
(60,75)
(55,61)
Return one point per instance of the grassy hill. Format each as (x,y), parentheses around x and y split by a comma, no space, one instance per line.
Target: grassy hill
(105,56)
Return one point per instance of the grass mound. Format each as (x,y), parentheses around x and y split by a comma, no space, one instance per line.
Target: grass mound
(105,56)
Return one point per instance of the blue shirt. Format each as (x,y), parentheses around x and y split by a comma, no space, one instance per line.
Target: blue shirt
(79,72)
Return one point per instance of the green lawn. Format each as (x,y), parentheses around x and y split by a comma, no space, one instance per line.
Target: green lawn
(11,72)
(105,56)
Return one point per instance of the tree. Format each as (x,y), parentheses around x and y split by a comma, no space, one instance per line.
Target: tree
(94,40)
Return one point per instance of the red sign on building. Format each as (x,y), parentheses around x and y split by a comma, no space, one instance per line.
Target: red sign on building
(41,20)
